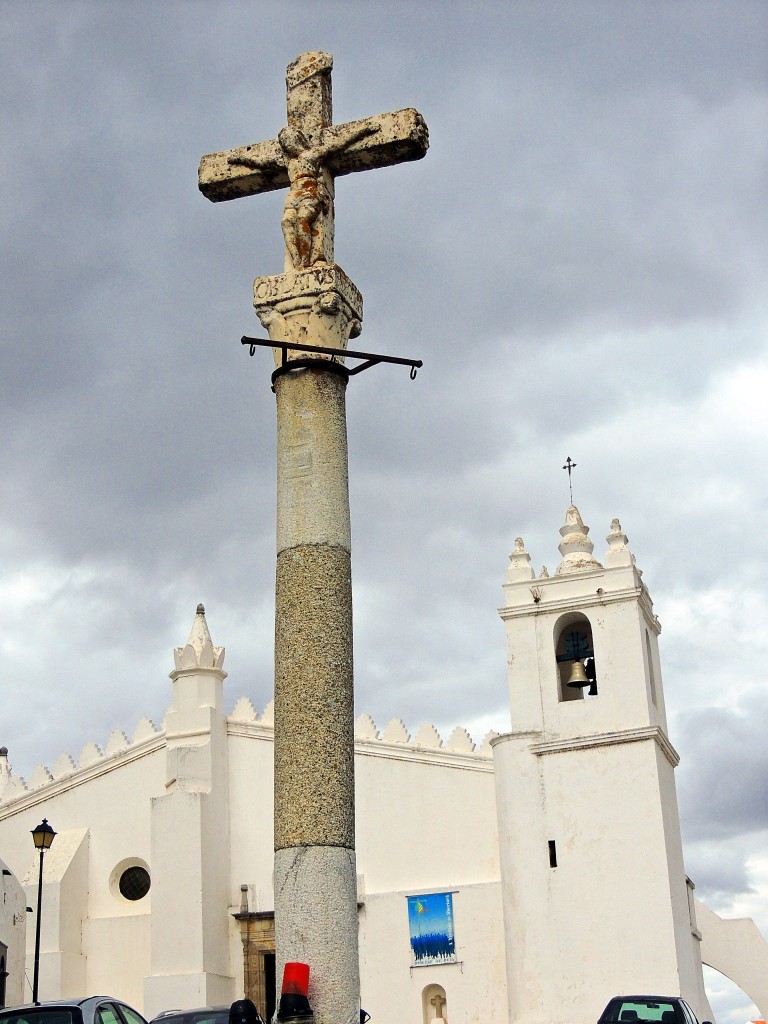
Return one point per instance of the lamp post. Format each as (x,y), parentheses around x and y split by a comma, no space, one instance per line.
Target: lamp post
(43,837)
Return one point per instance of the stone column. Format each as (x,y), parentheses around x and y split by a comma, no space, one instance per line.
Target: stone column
(315,876)
(314,303)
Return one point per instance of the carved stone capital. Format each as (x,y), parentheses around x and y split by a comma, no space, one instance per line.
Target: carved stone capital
(316,306)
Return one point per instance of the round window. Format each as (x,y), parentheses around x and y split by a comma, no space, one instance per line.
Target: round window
(134,883)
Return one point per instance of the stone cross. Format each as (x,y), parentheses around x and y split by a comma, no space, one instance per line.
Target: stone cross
(313,302)
(438,1002)
(307,155)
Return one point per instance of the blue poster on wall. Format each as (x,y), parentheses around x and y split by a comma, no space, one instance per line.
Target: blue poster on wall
(430,920)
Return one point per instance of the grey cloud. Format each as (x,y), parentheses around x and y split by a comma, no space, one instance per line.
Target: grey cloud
(724,790)
(580,253)
(719,873)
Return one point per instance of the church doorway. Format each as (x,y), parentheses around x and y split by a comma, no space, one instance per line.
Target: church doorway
(269,981)
(257,932)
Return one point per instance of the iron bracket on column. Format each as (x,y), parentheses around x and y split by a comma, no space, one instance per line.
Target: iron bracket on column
(368,358)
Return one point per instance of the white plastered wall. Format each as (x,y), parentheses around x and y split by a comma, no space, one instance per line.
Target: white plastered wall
(13,930)
(423,823)
(110,800)
(64,899)
(475,986)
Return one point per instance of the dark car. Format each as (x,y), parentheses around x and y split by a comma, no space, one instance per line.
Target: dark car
(90,1010)
(648,1010)
(203,1015)
(206,1015)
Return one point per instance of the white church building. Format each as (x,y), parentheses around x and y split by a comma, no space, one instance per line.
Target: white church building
(551,879)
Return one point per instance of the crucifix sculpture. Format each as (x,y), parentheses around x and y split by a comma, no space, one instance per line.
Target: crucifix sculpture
(308,154)
(310,312)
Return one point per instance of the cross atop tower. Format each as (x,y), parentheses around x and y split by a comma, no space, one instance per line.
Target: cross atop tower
(306,157)
(570,466)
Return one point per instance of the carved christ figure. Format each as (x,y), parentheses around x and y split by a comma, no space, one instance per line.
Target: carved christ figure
(308,203)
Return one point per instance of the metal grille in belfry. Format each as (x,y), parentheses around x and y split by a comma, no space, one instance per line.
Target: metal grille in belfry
(134,883)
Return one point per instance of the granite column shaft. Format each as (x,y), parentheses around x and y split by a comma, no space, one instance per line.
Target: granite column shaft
(315,875)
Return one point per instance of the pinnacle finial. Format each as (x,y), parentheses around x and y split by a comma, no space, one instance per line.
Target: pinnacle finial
(519,567)
(5,770)
(575,547)
(199,635)
(199,650)
(618,553)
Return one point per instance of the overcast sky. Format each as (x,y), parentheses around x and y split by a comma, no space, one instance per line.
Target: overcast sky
(579,261)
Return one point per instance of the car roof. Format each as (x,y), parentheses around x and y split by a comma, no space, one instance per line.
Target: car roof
(192,1009)
(195,1009)
(77,1001)
(662,999)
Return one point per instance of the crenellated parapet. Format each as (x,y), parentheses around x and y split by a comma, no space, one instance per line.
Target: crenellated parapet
(91,760)
(393,740)
(197,678)
(426,738)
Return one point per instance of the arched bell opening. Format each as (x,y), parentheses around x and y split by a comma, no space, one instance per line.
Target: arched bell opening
(575,658)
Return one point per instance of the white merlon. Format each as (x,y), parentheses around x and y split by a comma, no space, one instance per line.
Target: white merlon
(39,777)
(396,732)
(244,711)
(460,740)
(90,753)
(64,765)
(117,741)
(365,728)
(144,730)
(485,747)
(16,787)
(428,736)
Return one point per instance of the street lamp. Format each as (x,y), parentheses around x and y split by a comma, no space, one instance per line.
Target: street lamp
(42,837)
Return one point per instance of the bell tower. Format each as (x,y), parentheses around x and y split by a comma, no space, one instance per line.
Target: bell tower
(595,893)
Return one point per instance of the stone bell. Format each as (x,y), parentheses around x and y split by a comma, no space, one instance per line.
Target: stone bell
(578,677)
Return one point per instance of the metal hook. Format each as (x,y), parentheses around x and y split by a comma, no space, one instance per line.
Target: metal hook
(413,372)
(252,350)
